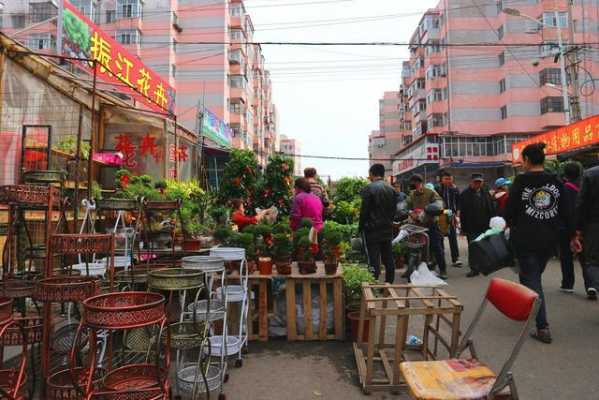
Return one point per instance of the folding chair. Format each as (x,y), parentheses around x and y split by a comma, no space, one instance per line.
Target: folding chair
(469,379)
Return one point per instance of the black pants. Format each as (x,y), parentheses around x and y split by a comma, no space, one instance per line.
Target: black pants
(377,250)
(453,244)
(532,266)
(435,238)
(567,264)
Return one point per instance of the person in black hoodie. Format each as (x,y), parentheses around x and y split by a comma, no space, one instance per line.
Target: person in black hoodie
(536,211)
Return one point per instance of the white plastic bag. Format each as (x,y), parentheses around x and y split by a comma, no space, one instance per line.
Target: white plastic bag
(424,277)
(400,236)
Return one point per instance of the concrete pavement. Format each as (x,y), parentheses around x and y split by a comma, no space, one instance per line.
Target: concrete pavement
(566,369)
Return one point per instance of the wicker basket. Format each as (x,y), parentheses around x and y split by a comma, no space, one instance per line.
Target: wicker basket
(59,385)
(206,264)
(135,377)
(28,195)
(187,335)
(123,310)
(188,376)
(5,310)
(62,289)
(175,279)
(17,288)
(13,336)
(117,204)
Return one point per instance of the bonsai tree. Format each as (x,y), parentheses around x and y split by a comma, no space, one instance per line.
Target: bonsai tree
(353,277)
(331,244)
(240,178)
(276,188)
(305,250)
(223,234)
(282,247)
(220,215)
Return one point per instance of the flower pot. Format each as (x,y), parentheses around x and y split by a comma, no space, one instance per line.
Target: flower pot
(265,265)
(399,262)
(330,268)
(354,319)
(191,244)
(306,267)
(283,267)
(252,266)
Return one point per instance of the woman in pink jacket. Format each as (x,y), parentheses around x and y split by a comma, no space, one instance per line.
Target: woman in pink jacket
(305,206)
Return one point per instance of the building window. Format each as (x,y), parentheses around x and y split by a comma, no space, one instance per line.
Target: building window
(421,105)
(502,86)
(237,81)
(499,6)
(503,111)
(549,49)
(551,19)
(236,34)
(500,33)
(433,47)
(235,56)
(236,108)
(236,10)
(552,104)
(550,75)
(18,21)
(129,9)
(436,70)
(501,58)
(110,16)
(42,11)
(41,41)
(128,36)
(438,120)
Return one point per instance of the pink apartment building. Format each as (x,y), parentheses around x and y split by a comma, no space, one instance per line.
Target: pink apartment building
(292,147)
(229,80)
(467,105)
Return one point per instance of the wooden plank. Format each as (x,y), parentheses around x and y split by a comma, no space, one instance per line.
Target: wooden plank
(400,340)
(307,297)
(291,322)
(455,335)
(401,303)
(251,317)
(370,354)
(263,311)
(453,300)
(322,325)
(360,363)
(386,365)
(425,299)
(338,309)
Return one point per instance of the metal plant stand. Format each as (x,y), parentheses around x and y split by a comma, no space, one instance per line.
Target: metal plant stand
(12,380)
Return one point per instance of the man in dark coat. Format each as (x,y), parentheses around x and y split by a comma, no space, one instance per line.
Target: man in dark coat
(476,209)
(379,203)
(451,198)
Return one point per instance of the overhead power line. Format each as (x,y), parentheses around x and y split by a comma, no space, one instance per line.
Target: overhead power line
(351,158)
(367,44)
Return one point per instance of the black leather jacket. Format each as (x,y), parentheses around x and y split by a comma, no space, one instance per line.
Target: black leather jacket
(379,202)
(587,204)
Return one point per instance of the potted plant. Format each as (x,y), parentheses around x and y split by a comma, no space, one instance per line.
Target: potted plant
(331,246)
(222,234)
(220,215)
(399,252)
(282,249)
(353,278)
(306,250)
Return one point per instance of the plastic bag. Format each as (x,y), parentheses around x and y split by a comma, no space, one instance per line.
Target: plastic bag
(424,277)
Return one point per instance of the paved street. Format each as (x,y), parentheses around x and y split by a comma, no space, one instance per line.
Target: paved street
(566,369)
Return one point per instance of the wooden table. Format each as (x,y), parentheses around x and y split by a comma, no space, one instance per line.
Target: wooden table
(259,309)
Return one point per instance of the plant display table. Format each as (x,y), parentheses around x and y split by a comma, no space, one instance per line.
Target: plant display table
(296,282)
(383,304)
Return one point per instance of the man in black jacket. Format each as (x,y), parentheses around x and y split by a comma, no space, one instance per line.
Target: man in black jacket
(536,212)
(587,228)
(451,198)
(476,210)
(376,222)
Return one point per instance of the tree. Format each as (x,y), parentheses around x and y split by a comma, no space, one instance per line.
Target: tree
(240,178)
(276,188)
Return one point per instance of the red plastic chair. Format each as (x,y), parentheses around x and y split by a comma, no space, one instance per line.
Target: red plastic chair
(469,379)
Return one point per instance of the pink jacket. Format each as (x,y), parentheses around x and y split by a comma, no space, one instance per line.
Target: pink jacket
(306,205)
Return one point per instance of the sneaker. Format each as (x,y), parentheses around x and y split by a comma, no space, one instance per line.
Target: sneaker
(472,274)
(457,264)
(542,335)
(566,290)
(592,294)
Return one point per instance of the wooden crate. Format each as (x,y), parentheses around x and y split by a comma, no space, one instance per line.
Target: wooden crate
(378,361)
(258,309)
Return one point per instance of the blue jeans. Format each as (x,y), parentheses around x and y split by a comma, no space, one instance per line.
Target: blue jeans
(532,266)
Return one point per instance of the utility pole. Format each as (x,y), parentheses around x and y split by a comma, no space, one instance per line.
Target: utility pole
(572,69)
(564,76)
(59,23)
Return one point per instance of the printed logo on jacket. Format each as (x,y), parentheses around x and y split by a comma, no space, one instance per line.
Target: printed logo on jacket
(541,203)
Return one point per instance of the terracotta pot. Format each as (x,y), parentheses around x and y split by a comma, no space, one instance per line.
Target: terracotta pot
(330,268)
(252,266)
(265,265)
(191,244)
(306,267)
(283,267)
(354,319)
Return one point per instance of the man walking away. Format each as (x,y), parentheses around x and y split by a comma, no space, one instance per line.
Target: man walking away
(419,198)
(587,228)
(316,188)
(376,222)
(451,197)
(476,210)
(536,211)
(572,172)
(501,195)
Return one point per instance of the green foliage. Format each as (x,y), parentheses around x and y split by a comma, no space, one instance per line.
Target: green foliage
(282,246)
(77,31)
(556,167)
(303,249)
(240,178)
(96,191)
(347,231)
(399,249)
(347,212)
(347,189)
(68,144)
(139,187)
(353,277)
(276,187)
(282,228)
(220,214)
(223,233)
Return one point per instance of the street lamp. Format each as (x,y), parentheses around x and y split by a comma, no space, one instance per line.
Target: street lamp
(562,52)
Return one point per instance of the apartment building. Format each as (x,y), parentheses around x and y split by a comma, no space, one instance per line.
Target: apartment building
(468,104)
(293,148)
(227,77)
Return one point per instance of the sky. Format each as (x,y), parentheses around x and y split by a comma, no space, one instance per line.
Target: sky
(327,97)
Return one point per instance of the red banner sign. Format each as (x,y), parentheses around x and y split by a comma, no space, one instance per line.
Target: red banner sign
(579,134)
(115,64)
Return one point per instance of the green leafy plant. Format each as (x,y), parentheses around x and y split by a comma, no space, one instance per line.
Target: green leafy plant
(282,246)
(348,189)
(331,239)
(353,277)
(222,234)
(277,184)
(303,249)
(240,178)
(220,214)
(68,144)
(96,191)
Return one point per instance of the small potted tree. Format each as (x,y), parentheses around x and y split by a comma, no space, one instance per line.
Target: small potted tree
(306,250)
(353,277)
(331,246)
(399,252)
(282,249)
